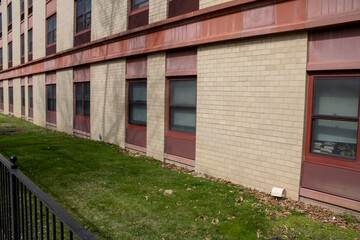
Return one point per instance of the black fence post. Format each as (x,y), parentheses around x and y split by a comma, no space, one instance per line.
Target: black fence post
(14,199)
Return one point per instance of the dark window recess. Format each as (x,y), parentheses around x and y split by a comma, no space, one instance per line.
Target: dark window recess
(22,47)
(22,10)
(11,100)
(51,103)
(182,109)
(0,25)
(51,35)
(137,102)
(82,38)
(137,4)
(138,19)
(83,15)
(30,44)
(179,7)
(10,54)
(30,8)
(23,101)
(335,117)
(30,89)
(9,12)
(1,98)
(82,106)
(1,59)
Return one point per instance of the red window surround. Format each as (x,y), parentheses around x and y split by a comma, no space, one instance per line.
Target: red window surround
(320,158)
(9,12)
(82,22)
(179,7)
(11,96)
(82,100)
(1,96)
(51,98)
(22,48)
(22,96)
(30,7)
(51,35)
(30,45)
(138,13)
(10,55)
(22,10)
(30,95)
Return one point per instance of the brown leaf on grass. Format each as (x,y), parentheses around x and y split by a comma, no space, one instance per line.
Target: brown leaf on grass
(215,221)
(146,197)
(231,218)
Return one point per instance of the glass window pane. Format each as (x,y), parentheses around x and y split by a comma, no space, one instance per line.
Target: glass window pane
(87,6)
(183,93)
(79,24)
(335,137)
(183,119)
(137,114)
(79,8)
(138,92)
(49,105)
(49,92)
(86,108)
(87,20)
(30,97)
(78,89)
(79,108)
(337,97)
(87,92)
(54,91)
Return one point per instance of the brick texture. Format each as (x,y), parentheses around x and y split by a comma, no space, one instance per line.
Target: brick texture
(210,3)
(17,97)
(108,17)
(65,10)
(156,100)
(157,10)
(4,35)
(250,111)
(16,32)
(107,105)
(39,101)
(6,96)
(64,100)
(39,39)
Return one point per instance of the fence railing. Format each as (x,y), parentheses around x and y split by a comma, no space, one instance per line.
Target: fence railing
(26,212)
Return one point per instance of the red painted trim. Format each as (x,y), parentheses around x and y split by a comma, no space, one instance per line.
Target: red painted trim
(135,147)
(129,125)
(137,10)
(181,160)
(330,199)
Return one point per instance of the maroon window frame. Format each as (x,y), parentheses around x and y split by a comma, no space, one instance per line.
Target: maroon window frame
(9,12)
(51,35)
(179,7)
(51,103)
(11,99)
(1,98)
(30,7)
(135,103)
(22,48)
(22,100)
(1,59)
(0,25)
(176,132)
(30,44)
(138,14)
(31,108)
(82,106)
(138,4)
(10,55)
(322,158)
(82,22)
(22,10)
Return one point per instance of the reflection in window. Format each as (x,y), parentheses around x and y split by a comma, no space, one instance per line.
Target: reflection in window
(82,99)
(136,4)
(83,15)
(137,102)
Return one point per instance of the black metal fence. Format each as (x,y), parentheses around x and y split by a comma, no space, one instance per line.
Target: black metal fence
(26,212)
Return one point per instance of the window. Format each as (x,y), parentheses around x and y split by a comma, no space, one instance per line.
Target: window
(1,59)
(182,105)
(23,100)
(1,98)
(30,89)
(83,15)
(9,12)
(22,43)
(30,44)
(30,7)
(10,54)
(136,4)
(334,117)
(51,97)
(51,29)
(82,102)
(0,25)
(11,99)
(22,10)
(137,102)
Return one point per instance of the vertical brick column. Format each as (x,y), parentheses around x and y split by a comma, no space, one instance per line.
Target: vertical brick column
(6,96)
(39,101)
(4,35)
(156,102)
(16,34)
(17,97)
(39,29)
(65,100)
(157,10)
(250,111)
(108,111)
(65,11)
(108,17)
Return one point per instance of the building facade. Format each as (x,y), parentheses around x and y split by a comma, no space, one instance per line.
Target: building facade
(260,92)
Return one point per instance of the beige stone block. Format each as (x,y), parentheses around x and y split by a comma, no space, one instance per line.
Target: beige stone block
(17,97)
(6,96)
(39,27)
(65,100)
(39,99)
(157,10)
(65,24)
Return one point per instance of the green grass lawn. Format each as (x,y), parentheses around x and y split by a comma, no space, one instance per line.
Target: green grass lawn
(121,197)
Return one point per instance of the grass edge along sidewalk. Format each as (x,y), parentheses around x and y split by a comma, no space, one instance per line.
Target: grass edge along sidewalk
(117,196)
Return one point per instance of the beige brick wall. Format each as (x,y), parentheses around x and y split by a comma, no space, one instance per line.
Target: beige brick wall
(210,3)
(250,111)
(39,101)
(157,10)
(4,35)
(65,24)
(156,100)
(108,101)
(108,17)
(64,100)
(16,32)
(6,96)
(17,97)
(39,27)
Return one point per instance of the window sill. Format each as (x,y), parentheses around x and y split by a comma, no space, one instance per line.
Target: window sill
(82,32)
(138,10)
(184,135)
(332,161)
(134,126)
